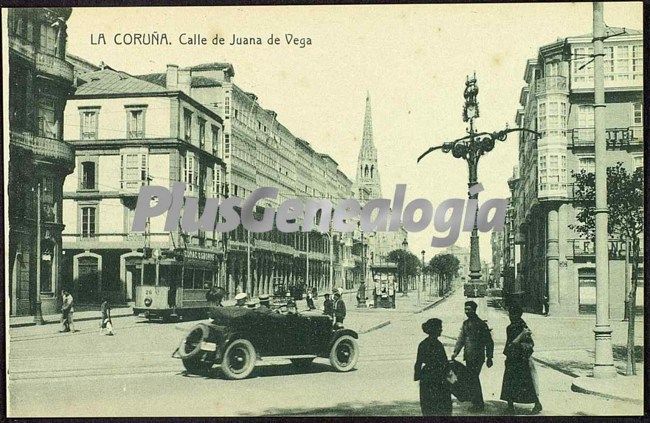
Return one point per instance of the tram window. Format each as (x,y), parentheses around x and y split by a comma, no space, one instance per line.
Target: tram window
(170,275)
(149,274)
(207,277)
(198,278)
(188,276)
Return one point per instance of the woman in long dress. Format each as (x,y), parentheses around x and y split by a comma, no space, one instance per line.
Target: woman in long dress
(431,368)
(518,379)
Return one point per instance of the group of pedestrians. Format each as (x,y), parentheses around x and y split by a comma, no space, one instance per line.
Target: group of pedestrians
(67,315)
(439,377)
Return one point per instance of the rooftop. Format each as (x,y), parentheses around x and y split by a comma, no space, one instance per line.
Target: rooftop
(197,81)
(109,81)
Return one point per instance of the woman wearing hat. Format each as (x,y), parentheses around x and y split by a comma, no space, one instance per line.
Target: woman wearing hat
(431,368)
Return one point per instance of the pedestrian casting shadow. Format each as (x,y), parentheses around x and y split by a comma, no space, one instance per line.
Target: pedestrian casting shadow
(269,370)
(393,408)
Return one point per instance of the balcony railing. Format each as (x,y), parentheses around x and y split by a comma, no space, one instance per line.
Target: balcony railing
(48,148)
(52,65)
(552,84)
(21,45)
(615,138)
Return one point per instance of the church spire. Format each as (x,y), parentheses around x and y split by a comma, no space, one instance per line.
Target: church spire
(367,167)
(367,142)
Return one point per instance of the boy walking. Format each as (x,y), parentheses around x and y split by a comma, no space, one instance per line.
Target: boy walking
(107,323)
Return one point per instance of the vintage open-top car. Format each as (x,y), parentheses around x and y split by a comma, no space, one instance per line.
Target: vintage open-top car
(238,337)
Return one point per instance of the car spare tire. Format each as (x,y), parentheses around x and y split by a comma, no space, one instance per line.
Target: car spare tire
(191,346)
(344,353)
(239,359)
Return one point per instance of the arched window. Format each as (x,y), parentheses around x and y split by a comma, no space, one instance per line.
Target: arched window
(365,173)
(372,170)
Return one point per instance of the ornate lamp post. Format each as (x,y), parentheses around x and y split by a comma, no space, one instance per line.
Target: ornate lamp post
(470,148)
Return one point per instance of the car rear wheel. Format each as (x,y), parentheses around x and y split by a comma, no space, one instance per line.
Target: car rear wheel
(239,359)
(197,366)
(344,353)
(302,364)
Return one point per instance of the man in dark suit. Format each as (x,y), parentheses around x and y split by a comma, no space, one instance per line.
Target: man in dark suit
(339,308)
(476,339)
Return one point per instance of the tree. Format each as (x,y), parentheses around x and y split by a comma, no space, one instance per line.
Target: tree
(407,263)
(625,220)
(446,267)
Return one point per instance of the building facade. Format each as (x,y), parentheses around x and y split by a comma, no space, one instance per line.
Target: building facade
(40,81)
(261,152)
(556,265)
(128,133)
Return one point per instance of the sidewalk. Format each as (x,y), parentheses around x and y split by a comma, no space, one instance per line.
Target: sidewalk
(566,345)
(79,316)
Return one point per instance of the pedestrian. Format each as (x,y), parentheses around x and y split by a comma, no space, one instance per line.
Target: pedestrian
(328,306)
(435,394)
(214,296)
(67,312)
(339,308)
(107,323)
(476,340)
(310,300)
(519,376)
(545,306)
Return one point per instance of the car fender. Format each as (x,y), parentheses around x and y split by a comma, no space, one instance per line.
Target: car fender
(229,335)
(338,333)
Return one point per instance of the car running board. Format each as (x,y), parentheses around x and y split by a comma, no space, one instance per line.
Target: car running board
(287,357)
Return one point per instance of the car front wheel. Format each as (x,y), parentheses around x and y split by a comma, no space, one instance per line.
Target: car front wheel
(344,353)
(239,359)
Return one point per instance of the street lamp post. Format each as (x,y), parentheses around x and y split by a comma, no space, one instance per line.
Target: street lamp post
(405,288)
(603,360)
(423,284)
(470,148)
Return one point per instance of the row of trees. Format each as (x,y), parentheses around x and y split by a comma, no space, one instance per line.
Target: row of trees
(444,266)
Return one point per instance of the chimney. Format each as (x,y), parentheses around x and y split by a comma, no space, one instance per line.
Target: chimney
(185,81)
(172,77)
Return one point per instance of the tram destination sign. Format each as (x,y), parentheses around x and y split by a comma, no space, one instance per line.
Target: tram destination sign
(199,255)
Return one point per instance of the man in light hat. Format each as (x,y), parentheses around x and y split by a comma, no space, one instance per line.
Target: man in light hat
(241,299)
(265,301)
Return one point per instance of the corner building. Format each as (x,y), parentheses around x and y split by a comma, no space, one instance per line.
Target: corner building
(40,81)
(128,133)
(556,265)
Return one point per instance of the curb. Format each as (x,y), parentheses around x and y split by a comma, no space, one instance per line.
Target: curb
(433,304)
(49,322)
(373,328)
(576,387)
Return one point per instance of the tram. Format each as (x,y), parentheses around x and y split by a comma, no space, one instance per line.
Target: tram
(174,283)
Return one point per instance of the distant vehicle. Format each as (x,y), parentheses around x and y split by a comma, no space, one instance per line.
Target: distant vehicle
(494,298)
(238,337)
(475,289)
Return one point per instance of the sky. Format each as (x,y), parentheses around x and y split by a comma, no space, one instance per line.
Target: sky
(412,59)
